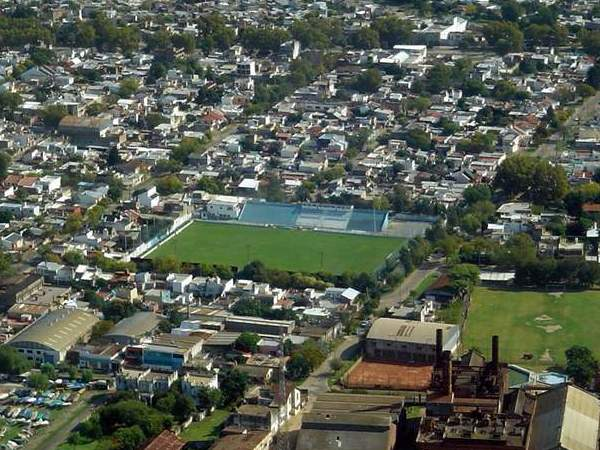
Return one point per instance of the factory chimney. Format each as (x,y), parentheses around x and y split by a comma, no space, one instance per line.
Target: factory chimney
(495,351)
(439,346)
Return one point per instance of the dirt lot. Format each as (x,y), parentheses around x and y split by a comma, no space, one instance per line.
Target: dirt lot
(375,375)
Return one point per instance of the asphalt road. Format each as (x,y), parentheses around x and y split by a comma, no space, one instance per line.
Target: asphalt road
(316,383)
(410,283)
(581,115)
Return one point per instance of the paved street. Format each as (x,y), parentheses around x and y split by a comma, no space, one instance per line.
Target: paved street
(316,383)
(581,115)
(410,283)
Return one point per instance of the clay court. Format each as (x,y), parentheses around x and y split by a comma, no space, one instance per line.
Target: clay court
(397,377)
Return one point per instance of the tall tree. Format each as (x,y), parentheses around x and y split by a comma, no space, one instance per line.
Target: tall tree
(4,164)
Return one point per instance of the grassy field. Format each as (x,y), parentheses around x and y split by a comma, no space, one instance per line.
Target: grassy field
(424,285)
(103,444)
(207,429)
(543,324)
(278,248)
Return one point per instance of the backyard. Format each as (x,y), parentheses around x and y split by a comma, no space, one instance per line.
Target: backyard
(207,429)
(278,248)
(535,328)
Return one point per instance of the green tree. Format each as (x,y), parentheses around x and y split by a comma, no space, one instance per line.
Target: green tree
(128,87)
(93,215)
(298,367)
(365,38)
(478,143)
(313,353)
(128,438)
(49,370)
(581,365)
(167,264)
(505,37)
(476,193)
(590,40)
(208,398)
(381,203)
(549,183)
(9,102)
(463,277)
(470,223)
(186,147)
(233,385)
(117,310)
(12,362)
(4,164)
(418,138)
(247,342)
(439,78)
(115,189)
(368,81)
(74,223)
(392,31)
(101,328)
(169,184)
(38,381)
(418,104)
(515,174)
(263,40)
(593,76)
(271,189)
(113,158)
(519,249)
(53,114)
(511,10)
(450,245)
(127,413)
(211,185)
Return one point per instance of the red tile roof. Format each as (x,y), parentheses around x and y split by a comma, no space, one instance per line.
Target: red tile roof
(166,440)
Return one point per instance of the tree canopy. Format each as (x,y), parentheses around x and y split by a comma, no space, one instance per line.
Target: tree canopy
(535,178)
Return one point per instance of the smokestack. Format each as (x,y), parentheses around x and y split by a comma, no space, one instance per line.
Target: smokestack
(495,351)
(439,346)
(448,372)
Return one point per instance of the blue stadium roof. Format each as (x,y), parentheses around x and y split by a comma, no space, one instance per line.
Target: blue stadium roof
(307,215)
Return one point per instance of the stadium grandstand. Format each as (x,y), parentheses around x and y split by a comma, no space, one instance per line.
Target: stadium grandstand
(314,216)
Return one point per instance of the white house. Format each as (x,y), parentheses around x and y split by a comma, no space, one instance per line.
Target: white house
(149,198)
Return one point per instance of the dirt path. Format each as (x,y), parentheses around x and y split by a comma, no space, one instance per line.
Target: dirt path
(61,427)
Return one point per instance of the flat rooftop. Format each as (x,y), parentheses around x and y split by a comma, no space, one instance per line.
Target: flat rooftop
(401,330)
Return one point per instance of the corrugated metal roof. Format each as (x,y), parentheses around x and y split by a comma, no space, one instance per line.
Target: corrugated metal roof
(58,330)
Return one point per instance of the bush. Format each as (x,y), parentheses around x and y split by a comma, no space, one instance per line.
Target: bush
(335,364)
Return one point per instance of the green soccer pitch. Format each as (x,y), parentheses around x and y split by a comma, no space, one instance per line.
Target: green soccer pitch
(278,248)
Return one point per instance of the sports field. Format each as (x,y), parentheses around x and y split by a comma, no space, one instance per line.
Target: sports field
(542,324)
(278,248)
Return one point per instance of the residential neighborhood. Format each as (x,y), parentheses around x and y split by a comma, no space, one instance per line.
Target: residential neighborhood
(275,224)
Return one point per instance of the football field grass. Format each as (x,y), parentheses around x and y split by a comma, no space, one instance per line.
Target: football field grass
(278,248)
(541,324)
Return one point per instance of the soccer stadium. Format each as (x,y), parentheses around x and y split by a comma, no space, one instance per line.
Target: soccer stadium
(293,237)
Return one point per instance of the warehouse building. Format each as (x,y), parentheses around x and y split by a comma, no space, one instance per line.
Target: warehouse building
(408,341)
(132,329)
(565,417)
(49,339)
